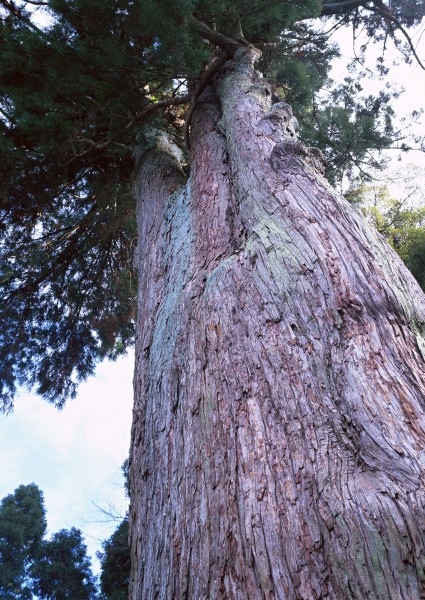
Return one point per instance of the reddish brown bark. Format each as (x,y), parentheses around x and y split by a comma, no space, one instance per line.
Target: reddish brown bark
(279,426)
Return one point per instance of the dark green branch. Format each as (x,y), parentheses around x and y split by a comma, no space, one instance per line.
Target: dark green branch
(227,44)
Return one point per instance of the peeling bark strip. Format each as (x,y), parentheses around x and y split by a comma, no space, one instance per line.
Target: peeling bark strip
(279,426)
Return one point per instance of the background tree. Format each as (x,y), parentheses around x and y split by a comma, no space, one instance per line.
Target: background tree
(22,528)
(115,559)
(54,569)
(116,564)
(63,569)
(396,208)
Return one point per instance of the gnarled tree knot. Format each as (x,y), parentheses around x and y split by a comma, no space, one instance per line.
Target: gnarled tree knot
(290,148)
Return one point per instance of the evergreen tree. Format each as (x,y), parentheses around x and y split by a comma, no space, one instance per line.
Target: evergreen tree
(63,569)
(22,528)
(30,565)
(400,217)
(78,97)
(115,558)
(116,564)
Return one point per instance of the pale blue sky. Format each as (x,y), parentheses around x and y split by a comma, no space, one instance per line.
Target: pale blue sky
(73,455)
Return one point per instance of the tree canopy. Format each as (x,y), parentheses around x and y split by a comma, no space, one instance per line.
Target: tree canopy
(81,94)
(63,570)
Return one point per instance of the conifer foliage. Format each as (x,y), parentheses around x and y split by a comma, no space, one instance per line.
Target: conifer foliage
(399,218)
(54,569)
(63,569)
(79,96)
(22,528)
(116,564)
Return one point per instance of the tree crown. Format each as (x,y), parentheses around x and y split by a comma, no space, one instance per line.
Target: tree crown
(77,97)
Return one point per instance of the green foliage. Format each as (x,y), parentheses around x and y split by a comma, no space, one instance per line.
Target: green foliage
(115,559)
(70,289)
(66,212)
(299,65)
(63,569)
(75,98)
(401,220)
(260,21)
(55,569)
(412,251)
(125,468)
(348,127)
(116,564)
(22,527)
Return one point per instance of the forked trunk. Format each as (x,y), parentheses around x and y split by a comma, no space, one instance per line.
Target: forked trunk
(279,429)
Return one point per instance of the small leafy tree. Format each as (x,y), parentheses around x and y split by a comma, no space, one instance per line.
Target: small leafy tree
(396,208)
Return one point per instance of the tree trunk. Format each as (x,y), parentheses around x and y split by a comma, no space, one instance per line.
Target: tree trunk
(277,444)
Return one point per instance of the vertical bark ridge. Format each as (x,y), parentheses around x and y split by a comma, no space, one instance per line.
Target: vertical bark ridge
(342,305)
(211,188)
(279,382)
(161,259)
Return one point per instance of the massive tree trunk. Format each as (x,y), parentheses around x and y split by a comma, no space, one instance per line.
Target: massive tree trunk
(279,429)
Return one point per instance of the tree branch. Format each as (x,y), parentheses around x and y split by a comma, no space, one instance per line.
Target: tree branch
(227,44)
(206,77)
(137,118)
(385,12)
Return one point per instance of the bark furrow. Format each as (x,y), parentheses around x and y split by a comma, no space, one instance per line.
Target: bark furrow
(279,386)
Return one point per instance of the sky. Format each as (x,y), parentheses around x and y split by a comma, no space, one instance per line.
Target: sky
(75,455)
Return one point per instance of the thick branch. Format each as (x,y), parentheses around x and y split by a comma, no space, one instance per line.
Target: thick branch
(227,44)
(336,8)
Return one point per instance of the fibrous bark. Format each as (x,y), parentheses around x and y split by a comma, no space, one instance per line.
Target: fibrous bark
(277,445)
